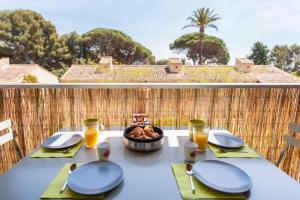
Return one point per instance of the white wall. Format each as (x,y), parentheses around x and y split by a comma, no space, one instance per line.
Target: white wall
(44,76)
(4,64)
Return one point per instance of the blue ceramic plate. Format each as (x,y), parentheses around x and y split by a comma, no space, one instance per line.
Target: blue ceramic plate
(74,139)
(225,140)
(222,176)
(95,177)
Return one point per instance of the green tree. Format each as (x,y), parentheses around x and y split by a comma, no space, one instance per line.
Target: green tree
(5,27)
(28,38)
(296,53)
(259,54)
(162,62)
(30,79)
(214,50)
(297,67)
(108,42)
(201,19)
(60,57)
(281,56)
(73,42)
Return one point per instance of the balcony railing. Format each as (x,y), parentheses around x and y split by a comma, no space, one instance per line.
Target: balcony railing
(258,113)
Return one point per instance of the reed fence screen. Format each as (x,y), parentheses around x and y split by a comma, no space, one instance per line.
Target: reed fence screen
(258,115)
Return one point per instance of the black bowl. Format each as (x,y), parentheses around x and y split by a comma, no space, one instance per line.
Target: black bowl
(156,129)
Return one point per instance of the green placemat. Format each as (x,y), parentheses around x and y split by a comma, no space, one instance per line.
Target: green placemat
(249,153)
(47,153)
(52,192)
(201,191)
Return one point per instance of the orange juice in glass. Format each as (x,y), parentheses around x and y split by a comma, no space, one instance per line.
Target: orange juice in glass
(200,136)
(91,132)
(192,124)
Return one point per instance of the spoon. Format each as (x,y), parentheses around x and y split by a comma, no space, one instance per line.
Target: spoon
(72,168)
(190,173)
(231,150)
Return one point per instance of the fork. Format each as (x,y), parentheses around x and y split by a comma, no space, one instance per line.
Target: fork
(222,150)
(59,151)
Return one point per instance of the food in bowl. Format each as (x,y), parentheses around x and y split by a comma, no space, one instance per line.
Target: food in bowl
(136,138)
(146,133)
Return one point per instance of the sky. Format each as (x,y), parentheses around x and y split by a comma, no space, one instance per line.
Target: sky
(157,23)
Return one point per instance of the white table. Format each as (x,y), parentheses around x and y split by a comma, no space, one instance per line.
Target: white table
(146,175)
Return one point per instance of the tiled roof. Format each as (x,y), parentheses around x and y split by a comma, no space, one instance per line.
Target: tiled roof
(159,73)
(15,72)
(138,73)
(272,74)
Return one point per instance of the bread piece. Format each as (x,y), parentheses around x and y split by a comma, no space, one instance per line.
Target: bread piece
(149,129)
(142,137)
(156,135)
(151,135)
(138,131)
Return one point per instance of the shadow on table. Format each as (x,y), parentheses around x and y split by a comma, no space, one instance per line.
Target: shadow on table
(248,194)
(113,193)
(143,158)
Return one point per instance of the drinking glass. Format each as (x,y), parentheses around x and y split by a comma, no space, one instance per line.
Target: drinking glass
(192,124)
(91,132)
(200,136)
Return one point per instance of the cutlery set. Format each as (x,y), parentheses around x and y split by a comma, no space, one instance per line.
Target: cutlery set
(223,150)
(57,151)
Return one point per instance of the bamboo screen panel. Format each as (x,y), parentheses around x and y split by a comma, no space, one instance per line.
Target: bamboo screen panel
(259,115)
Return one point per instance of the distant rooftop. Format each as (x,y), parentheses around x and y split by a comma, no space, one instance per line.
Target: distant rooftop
(16,72)
(272,74)
(186,73)
(122,73)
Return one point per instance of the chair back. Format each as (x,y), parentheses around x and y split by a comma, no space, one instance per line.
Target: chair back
(290,141)
(8,136)
(7,124)
(294,127)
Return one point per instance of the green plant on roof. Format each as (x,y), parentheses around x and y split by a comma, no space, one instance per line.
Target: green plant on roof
(101,69)
(295,74)
(133,74)
(211,74)
(30,79)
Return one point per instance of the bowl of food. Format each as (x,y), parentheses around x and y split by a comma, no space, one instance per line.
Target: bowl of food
(143,138)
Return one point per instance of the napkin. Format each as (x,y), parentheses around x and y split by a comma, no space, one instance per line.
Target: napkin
(51,153)
(52,192)
(202,191)
(249,153)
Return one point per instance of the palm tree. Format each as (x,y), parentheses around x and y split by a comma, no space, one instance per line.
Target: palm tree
(202,18)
